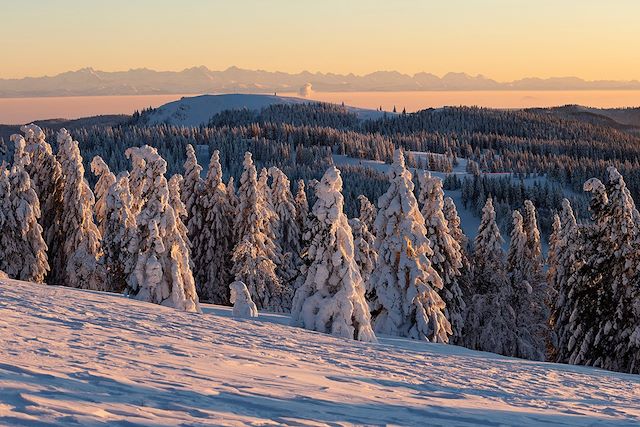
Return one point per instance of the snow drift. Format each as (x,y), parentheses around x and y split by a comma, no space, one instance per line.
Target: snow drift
(71,356)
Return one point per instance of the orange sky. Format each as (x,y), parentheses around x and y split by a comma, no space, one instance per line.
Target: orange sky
(502,39)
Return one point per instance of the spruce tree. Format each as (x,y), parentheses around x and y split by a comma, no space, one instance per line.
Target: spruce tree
(365,255)
(406,300)
(191,192)
(490,322)
(255,251)
(331,300)
(120,239)
(105,180)
(82,249)
(529,341)
(162,273)
(302,207)
(564,246)
(22,248)
(447,255)
(368,212)
(286,231)
(215,243)
(45,173)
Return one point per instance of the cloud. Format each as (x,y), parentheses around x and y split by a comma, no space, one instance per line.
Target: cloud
(306,90)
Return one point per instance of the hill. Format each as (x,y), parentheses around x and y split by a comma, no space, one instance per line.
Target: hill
(80,357)
(198,110)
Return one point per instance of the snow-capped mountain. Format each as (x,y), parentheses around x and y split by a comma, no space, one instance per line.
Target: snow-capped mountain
(143,81)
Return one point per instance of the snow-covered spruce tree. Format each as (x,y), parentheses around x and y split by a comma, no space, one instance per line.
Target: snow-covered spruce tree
(564,246)
(105,180)
(191,191)
(175,200)
(243,306)
(231,193)
(255,251)
(535,317)
(455,230)
(405,301)
(588,283)
(604,320)
(455,226)
(621,335)
(120,240)
(215,242)
(46,176)
(302,207)
(162,273)
(368,212)
(365,255)
(529,342)
(331,300)
(286,231)
(447,254)
(82,250)
(137,178)
(620,310)
(490,322)
(23,251)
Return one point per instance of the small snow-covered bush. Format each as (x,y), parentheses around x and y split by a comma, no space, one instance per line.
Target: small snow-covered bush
(243,305)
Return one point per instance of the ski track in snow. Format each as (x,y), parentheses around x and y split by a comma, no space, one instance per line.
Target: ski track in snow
(78,357)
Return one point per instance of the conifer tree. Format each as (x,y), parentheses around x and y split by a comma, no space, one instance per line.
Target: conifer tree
(231,193)
(564,246)
(255,251)
(105,180)
(529,340)
(22,248)
(175,184)
(406,301)
(455,230)
(447,255)
(286,231)
(331,300)
(588,281)
(82,249)
(191,191)
(119,241)
(621,334)
(162,273)
(45,173)
(490,322)
(364,253)
(302,207)
(215,243)
(368,212)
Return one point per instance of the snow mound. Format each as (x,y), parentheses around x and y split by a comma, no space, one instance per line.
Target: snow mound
(82,357)
(198,110)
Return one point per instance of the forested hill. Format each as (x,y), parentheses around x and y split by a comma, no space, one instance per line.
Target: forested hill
(547,155)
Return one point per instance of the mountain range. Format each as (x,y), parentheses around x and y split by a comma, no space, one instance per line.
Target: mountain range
(143,81)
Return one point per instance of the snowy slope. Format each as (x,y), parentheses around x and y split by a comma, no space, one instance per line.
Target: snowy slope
(78,357)
(197,110)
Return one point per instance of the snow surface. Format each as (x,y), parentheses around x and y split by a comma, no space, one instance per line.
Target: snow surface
(81,357)
(198,110)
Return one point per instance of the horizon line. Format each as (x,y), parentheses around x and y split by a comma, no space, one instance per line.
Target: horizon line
(323,73)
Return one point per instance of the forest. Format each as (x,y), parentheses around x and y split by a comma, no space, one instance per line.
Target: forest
(252,209)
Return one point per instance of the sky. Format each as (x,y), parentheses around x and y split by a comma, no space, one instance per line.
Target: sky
(501,39)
